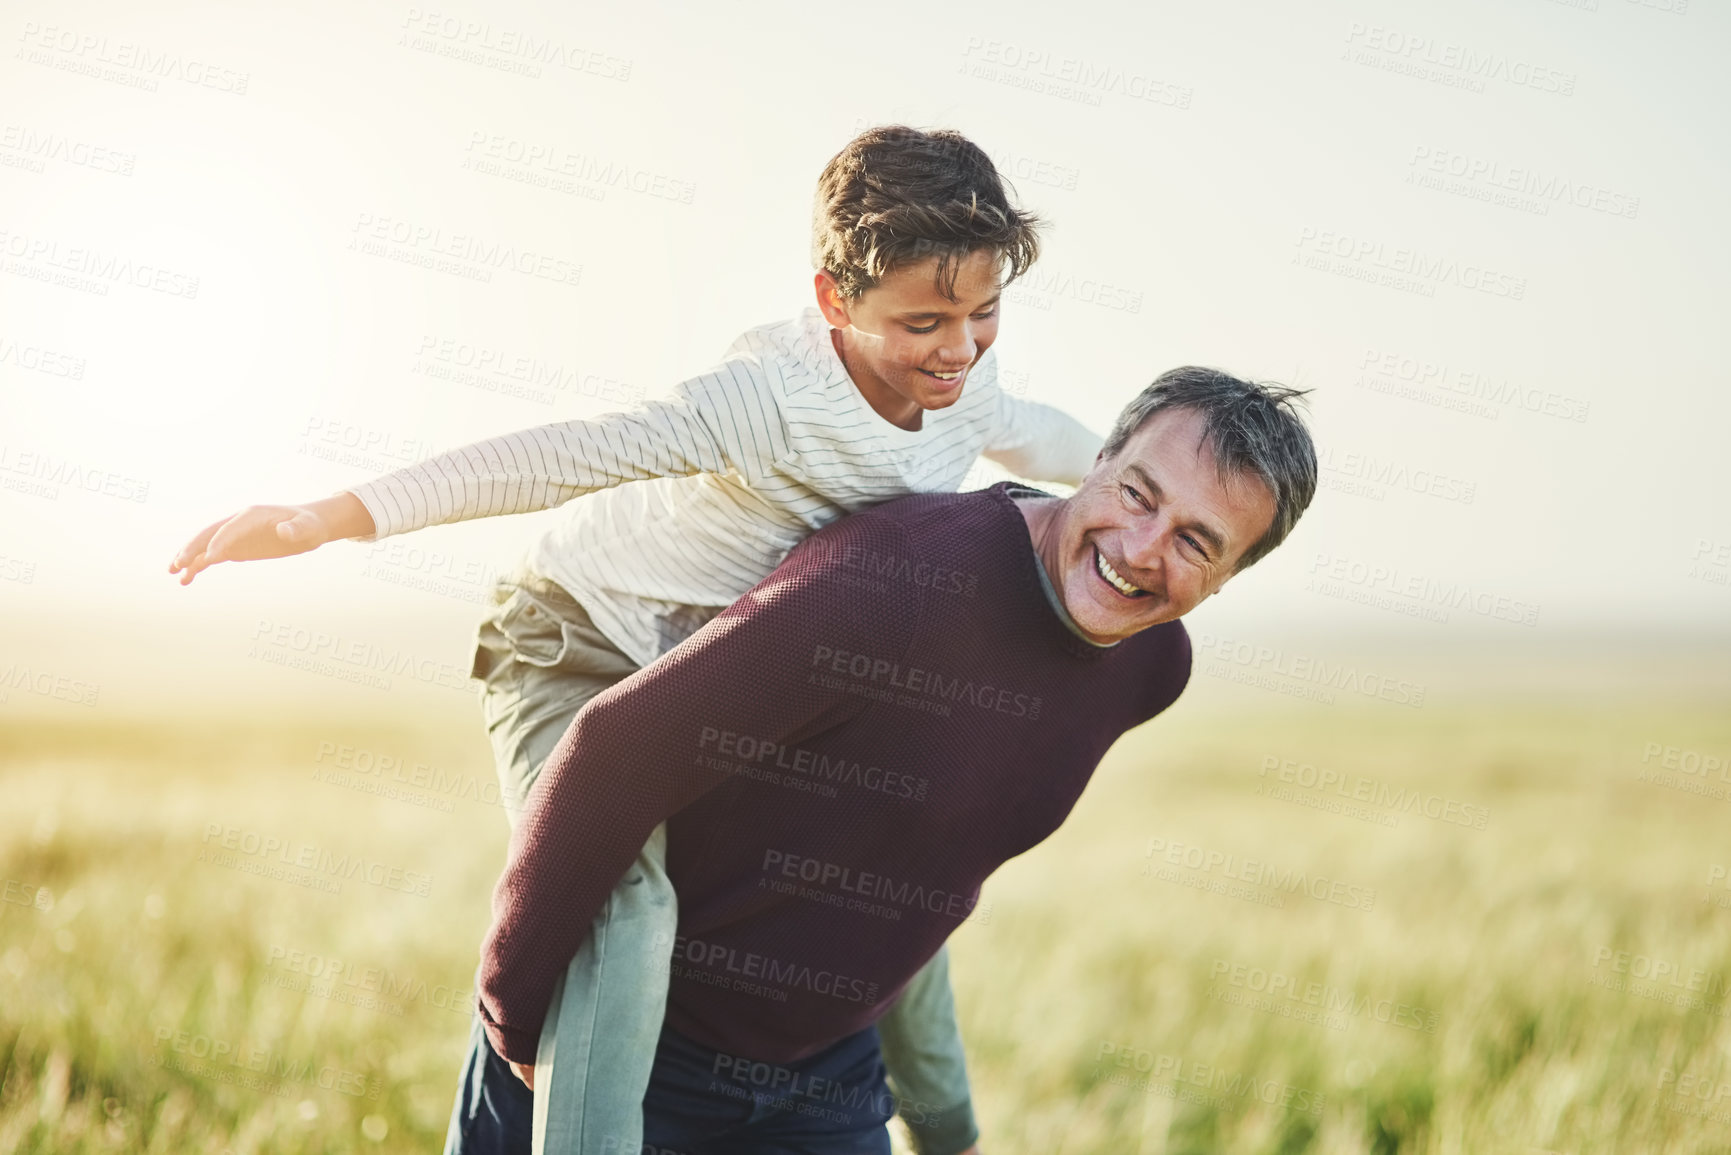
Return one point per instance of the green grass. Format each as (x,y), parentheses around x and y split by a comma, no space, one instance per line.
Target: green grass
(1090,997)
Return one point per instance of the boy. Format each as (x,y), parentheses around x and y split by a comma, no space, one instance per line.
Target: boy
(884,389)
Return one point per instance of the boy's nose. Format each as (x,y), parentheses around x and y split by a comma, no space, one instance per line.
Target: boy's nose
(962,350)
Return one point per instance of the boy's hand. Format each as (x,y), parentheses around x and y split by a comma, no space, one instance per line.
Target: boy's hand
(525,1072)
(264,531)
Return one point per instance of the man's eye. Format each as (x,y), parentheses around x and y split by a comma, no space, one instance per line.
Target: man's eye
(931,328)
(987,315)
(1136,496)
(1195,546)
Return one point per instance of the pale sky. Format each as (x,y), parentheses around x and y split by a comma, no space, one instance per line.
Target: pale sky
(1515,398)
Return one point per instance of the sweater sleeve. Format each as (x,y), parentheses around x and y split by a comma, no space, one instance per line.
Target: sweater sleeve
(725,420)
(1040,442)
(630,759)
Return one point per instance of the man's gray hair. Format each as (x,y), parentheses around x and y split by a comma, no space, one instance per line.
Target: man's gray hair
(1252,428)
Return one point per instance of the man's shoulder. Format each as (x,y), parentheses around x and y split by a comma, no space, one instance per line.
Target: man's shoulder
(1164,654)
(1168,640)
(976,532)
(947,516)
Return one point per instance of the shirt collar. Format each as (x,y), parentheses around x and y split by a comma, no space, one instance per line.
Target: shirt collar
(1052,599)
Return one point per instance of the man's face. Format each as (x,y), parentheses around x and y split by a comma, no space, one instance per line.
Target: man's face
(907,346)
(1151,532)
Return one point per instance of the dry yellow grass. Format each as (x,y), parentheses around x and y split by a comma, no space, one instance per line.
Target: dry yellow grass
(159,997)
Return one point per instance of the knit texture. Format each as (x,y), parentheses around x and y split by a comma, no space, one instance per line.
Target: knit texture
(843,757)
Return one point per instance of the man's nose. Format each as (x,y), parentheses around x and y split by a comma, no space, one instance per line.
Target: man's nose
(1145,544)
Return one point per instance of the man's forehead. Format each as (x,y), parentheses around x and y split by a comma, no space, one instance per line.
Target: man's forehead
(1173,452)
(1175,436)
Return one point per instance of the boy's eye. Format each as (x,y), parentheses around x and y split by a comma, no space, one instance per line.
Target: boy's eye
(933,327)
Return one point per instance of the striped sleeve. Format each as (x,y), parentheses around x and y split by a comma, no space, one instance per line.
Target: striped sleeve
(1041,443)
(725,420)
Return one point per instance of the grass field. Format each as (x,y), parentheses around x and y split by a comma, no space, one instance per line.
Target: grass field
(1244,940)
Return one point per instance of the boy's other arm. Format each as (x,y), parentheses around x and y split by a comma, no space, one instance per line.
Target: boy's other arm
(634,756)
(922,1051)
(1041,443)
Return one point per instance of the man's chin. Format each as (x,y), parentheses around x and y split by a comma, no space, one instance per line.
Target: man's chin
(1099,625)
(1110,624)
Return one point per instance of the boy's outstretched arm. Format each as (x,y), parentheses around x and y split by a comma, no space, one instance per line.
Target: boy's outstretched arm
(1040,442)
(725,420)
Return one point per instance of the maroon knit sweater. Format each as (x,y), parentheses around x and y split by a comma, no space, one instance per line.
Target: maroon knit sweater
(842,757)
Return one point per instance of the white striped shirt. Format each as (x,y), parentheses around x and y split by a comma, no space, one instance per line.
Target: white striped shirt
(735,467)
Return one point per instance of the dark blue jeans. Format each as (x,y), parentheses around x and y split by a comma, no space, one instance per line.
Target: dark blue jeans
(703,1102)
(494,1113)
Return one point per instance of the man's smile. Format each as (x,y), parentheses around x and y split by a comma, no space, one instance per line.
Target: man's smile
(1111,577)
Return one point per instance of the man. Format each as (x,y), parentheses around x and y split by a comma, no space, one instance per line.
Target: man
(917,694)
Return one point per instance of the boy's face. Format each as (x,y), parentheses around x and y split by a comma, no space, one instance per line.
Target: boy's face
(907,346)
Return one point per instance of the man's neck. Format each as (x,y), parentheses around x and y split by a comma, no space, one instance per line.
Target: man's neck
(1041,515)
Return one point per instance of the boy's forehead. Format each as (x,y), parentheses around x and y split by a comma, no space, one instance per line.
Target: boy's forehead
(914,288)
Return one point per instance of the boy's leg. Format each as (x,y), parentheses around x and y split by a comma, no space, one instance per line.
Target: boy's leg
(922,1047)
(598,1044)
(542,659)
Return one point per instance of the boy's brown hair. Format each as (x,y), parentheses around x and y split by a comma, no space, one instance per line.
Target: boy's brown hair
(896,195)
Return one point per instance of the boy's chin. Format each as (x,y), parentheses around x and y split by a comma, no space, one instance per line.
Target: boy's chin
(930,398)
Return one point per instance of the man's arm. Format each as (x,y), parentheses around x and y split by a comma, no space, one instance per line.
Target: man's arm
(1040,442)
(631,758)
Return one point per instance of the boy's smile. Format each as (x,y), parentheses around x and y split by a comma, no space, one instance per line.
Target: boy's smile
(908,347)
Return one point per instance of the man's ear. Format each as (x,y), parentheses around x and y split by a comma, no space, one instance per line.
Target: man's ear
(830,301)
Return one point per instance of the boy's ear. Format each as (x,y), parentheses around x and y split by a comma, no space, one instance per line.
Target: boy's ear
(830,301)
